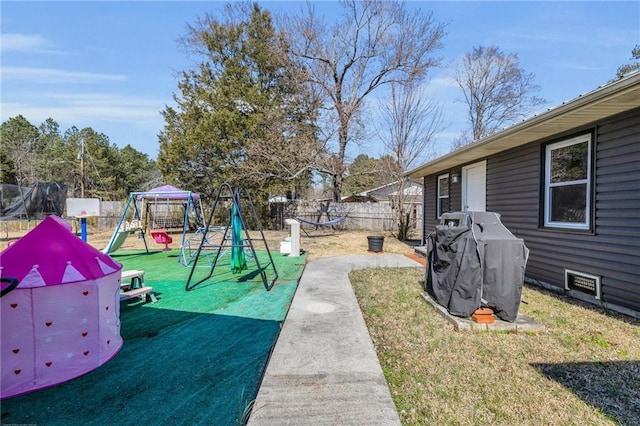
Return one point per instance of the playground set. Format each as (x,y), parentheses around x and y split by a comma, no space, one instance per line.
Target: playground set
(235,239)
(56,287)
(230,322)
(155,211)
(202,245)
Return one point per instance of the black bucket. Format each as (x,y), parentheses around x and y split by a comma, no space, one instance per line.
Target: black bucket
(375,243)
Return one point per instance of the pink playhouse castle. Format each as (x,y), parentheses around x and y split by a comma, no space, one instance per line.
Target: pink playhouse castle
(63,318)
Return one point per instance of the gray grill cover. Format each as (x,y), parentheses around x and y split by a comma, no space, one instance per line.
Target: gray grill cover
(475,262)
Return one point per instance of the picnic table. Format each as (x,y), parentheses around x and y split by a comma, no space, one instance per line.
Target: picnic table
(132,286)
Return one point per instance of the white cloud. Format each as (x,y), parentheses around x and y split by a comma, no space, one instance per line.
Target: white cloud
(78,109)
(573,39)
(23,42)
(125,120)
(56,76)
(443,81)
(26,43)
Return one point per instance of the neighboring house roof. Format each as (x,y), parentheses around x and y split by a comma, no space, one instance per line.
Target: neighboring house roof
(410,191)
(358,198)
(606,101)
(383,192)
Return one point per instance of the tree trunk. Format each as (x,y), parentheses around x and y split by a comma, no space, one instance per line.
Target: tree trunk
(403,227)
(337,187)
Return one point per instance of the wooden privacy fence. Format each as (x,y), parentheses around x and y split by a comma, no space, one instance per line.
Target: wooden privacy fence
(359,216)
(110,212)
(365,216)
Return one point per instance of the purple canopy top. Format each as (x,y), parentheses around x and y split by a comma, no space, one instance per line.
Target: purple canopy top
(167,192)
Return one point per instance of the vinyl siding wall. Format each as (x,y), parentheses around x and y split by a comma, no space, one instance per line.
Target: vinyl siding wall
(612,250)
(430,200)
(429,203)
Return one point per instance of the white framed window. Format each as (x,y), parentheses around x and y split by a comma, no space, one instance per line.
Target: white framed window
(567,183)
(443,195)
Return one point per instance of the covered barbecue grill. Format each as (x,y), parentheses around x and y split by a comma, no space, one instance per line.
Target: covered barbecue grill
(475,261)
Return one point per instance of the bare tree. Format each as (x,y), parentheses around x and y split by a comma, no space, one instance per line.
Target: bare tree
(373,44)
(409,123)
(496,89)
(631,67)
(285,154)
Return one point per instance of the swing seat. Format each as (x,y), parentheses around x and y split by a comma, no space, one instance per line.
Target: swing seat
(161,237)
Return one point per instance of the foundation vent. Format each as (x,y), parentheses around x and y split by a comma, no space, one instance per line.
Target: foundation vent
(582,282)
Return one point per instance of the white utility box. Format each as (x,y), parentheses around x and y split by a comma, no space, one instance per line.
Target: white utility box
(294,240)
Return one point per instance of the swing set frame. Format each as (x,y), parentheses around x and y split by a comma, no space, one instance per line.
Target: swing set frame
(139,203)
(235,238)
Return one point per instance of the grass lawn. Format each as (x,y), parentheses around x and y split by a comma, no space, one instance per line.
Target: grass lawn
(584,369)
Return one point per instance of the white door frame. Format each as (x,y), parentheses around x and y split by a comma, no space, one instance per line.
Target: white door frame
(482,188)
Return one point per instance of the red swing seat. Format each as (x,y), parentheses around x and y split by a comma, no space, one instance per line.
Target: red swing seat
(161,237)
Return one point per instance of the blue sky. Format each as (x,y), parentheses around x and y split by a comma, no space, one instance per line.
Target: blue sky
(113,66)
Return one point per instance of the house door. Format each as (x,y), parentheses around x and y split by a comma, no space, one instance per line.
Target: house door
(474,187)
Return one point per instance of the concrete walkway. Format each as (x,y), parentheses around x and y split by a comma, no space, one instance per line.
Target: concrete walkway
(324,369)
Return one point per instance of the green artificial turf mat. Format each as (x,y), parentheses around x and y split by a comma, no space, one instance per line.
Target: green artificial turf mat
(193,357)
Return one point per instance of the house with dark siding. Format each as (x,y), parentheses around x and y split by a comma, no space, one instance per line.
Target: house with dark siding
(566,181)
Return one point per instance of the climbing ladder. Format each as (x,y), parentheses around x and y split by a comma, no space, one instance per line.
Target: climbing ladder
(235,238)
